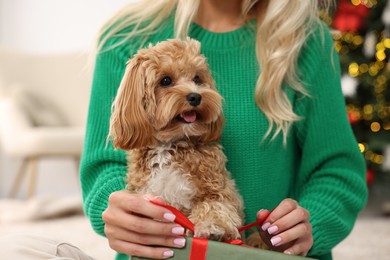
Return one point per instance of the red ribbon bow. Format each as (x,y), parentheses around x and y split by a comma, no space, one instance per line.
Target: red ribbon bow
(199,245)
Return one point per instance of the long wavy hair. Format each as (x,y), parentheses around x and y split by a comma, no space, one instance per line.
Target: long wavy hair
(282,29)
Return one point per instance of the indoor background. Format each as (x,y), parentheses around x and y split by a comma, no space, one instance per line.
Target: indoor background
(45,67)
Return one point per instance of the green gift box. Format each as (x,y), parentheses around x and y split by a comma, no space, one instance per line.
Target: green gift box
(220,250)
(203,249)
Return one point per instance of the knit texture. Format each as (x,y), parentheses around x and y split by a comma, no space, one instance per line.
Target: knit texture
(320,166)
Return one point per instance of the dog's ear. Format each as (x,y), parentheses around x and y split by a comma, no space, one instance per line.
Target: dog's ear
(129,125)
(215,130)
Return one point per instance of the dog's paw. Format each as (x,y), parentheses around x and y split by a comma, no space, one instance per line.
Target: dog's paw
(209,231)
(231,233)
(255,240)
(215,232)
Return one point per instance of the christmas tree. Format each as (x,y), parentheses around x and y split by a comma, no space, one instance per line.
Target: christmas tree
(362,36)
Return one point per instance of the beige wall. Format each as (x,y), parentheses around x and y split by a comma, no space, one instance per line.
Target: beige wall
(53,25)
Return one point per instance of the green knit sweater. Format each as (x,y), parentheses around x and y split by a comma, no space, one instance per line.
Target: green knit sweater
(320,166)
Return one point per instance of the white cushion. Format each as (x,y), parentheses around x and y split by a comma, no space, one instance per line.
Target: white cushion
(20,138)
(40,111)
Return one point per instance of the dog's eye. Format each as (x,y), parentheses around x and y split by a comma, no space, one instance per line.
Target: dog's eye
(197,80)
(166,81)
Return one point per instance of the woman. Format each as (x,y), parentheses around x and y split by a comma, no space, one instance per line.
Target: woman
(287,138)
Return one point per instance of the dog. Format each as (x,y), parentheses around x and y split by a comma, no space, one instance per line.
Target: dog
(167,115)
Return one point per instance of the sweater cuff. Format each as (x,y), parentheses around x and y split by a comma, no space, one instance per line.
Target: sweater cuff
(97,202)
(327,227)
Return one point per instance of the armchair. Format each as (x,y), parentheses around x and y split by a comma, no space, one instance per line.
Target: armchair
(43,108)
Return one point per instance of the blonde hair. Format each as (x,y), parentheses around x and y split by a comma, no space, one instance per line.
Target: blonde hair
(282,29)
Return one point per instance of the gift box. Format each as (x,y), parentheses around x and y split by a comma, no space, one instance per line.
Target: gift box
(203,249)
(220,250)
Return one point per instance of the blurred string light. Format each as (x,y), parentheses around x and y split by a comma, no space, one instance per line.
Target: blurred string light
(370,155)
(373,70)
(368,3)
(377,73)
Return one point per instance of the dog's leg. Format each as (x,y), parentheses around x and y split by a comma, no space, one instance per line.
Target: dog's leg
(217,209)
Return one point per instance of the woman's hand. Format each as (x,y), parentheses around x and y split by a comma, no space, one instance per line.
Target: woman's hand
(133,224)
(287,229)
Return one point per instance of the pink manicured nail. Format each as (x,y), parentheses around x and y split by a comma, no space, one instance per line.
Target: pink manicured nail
(169,217)
(272,230)
(275,241)
(168,253)
(179,241)
(178,230)
(265,226)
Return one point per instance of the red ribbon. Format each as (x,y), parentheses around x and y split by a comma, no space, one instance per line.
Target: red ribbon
(199,248)
(199,245)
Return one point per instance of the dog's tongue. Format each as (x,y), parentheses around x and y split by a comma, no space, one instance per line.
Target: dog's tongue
(189,116)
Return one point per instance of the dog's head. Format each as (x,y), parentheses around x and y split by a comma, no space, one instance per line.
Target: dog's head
(166,94)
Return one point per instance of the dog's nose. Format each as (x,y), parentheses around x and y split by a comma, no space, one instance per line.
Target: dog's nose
(194,99)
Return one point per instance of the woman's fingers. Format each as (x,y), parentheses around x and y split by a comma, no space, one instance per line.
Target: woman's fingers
(125,235)
(125,218)
(298,231)
(289,220)
(151,227)
(132,203)
(134,226)
(266,237)
(285,207)
(287,228)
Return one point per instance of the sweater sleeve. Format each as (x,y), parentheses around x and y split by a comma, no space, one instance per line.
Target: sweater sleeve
(331,177)
(102,169)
